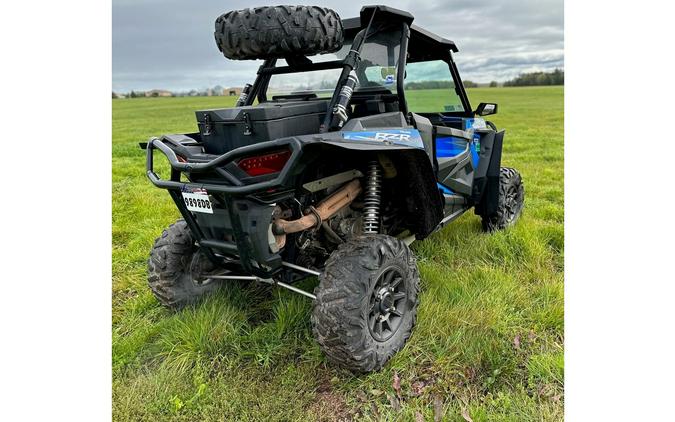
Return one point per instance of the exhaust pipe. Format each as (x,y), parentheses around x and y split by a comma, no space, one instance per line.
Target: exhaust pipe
(317,215)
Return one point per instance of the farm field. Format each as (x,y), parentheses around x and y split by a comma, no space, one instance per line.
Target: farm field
(488,345)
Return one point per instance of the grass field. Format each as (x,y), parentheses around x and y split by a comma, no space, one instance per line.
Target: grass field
(488,345)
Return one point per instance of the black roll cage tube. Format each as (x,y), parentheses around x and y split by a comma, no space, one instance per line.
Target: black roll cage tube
(459,85)
(400,76)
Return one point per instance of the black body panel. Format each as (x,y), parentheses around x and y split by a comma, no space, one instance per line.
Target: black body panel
(486,185)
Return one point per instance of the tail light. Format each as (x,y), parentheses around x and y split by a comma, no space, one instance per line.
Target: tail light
(269,163)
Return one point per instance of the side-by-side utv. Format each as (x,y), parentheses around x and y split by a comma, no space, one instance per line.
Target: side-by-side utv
(356,138)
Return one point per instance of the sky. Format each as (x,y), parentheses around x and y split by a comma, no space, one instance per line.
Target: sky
(168,44)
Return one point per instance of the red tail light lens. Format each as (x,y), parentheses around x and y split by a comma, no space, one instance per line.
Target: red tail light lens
(269,163)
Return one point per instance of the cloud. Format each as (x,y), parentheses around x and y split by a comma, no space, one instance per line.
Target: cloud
(169,43)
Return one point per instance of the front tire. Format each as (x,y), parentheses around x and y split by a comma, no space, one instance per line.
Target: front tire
(366,302)
(169,275)
(511,201)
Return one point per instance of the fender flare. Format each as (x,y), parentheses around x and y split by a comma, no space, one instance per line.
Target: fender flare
(486,180)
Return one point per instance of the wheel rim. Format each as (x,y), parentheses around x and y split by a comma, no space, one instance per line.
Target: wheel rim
(513,203)
(388,304)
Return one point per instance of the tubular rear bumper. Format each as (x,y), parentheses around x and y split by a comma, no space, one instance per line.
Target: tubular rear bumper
(236,186)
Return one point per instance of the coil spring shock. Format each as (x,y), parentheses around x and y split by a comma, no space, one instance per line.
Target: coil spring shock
(371,201)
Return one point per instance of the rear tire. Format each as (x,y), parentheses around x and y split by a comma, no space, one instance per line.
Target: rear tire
(278,32)
(511,201)
(366,302)
(169,268)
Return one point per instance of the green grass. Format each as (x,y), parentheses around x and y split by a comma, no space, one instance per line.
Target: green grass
(489,339)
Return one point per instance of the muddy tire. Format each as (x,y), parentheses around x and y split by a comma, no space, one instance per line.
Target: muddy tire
(511,201)
(278,32)
(366,302)
(169,268)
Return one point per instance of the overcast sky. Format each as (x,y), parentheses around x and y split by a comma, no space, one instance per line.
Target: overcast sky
(168,44)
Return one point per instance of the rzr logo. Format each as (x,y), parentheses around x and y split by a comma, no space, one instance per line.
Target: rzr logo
(384,136)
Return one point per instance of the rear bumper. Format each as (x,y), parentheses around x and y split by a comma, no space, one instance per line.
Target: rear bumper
(238,233)
(235,186)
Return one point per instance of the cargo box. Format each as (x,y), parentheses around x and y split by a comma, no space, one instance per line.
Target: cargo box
(225,129)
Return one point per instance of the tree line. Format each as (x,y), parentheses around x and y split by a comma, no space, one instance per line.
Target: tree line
(557,77)
(438,85)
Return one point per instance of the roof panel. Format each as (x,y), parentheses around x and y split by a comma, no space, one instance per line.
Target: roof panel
(420,38)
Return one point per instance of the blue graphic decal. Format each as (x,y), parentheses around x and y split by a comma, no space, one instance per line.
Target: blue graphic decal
(403,137)
(446,147)
(449,146)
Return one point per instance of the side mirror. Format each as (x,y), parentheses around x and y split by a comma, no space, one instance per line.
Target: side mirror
(485,109)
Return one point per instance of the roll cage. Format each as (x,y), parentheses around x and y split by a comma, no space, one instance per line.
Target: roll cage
(416,45)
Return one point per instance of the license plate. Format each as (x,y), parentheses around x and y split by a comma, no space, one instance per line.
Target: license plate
(198,201)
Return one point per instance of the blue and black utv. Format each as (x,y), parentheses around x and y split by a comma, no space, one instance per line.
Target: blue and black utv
(355,139)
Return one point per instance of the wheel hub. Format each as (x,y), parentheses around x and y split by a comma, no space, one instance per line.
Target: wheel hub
(387,304)
(386,300)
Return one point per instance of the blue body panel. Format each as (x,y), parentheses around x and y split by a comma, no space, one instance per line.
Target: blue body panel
(467,124)
(449,146)
(475,158)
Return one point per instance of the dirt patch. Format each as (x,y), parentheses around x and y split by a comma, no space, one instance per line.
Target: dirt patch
(329,406)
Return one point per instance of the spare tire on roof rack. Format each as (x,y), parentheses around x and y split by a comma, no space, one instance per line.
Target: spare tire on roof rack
(277,32)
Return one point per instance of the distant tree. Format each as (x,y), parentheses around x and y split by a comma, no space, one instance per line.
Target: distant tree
(218,90)
(556,77)
(430,85)
(470,84)
(114,95)
(493,84)
(133,94)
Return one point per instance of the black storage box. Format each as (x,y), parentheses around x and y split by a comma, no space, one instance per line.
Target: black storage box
(223,130)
